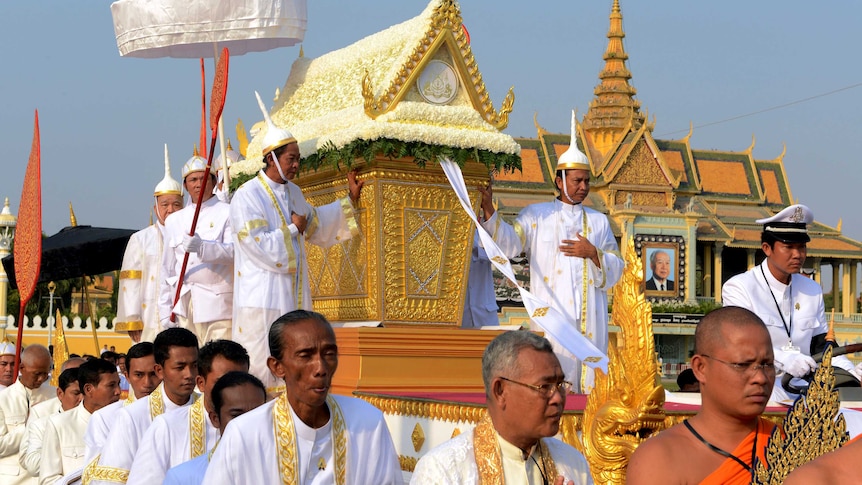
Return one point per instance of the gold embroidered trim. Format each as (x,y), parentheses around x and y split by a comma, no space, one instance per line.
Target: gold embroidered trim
(131,274)
(285,439)
(129,326)
(313,224)
(88,470)
(350,215)
(249,227)
(157,403)
(522,236)
(197,429)
(288,243)
(489,459)
(103,473)
(486,451)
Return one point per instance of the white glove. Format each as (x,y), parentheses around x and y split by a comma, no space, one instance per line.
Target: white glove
(797,364)
(192,244)
(167,323)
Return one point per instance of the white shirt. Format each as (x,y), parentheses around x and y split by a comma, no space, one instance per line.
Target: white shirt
(454,463)
(208,283)
(30,456)
(247,452)
(15,404)
(166,443)
(99,428)
(140,277)
(63,444)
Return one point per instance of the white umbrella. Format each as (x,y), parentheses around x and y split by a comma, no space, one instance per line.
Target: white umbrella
(200,28)
(189,28)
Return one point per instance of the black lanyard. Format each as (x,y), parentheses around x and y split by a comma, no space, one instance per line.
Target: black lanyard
(724,453)
(787,328)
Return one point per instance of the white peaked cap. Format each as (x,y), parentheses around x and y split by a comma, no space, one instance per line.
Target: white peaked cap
(275,137)
(198,164)
(790,225)
(168,185)
(573,159)
(7,348)
(233,156)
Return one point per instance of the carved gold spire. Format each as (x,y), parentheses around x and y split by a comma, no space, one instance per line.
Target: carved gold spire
(73,221)
(614,105)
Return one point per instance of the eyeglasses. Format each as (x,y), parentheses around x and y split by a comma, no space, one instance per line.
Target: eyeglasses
(747,368)
(546,390)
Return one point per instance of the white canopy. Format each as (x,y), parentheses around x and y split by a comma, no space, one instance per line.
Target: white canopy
(190,28)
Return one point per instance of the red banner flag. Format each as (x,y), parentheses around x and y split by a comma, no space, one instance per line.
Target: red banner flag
(28,236)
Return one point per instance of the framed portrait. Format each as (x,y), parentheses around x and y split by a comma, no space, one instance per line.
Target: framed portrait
(664,266)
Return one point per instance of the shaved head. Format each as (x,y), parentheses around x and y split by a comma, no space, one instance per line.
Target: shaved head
(708,335)
(35,366)
(34,353)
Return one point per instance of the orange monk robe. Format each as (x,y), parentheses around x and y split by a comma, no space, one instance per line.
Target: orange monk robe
(732,473)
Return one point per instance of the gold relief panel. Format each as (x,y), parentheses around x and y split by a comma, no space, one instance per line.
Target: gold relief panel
(653,199)
(426,239)
(641,168)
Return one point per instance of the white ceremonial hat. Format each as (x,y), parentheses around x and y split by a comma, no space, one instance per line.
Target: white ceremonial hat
(573,159)
(275,137)
(233,156)
(168,185)
(790,225)
(7,348)
(198,164)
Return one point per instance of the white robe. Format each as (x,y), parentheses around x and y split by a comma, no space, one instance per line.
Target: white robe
(15,404)
(99,428)
(30,456)
(559,279)
(454,463)
(167,444)
(270,259)
(247,452)
(140,277)
(63,444)
(805,302)
(189,473)
(208,282)
(480,304)
(130,425)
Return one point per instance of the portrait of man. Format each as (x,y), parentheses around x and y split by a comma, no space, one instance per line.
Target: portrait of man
(661,270)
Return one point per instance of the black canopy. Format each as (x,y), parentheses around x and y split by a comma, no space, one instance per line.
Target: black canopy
(78,251)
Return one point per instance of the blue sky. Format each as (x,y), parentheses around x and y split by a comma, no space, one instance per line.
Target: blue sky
(104,118)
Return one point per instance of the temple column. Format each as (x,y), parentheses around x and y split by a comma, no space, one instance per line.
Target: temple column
(846,303)
(716,259)
(708,277)
(817,264)
(749,253)
(854,286)
(836,273)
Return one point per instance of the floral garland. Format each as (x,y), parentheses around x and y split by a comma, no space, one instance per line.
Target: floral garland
(422,153)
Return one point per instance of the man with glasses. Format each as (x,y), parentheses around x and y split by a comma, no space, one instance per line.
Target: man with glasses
(735,366)
(526,395)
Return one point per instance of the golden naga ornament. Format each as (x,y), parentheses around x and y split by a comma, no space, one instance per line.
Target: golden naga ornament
(626,406)
(811,429)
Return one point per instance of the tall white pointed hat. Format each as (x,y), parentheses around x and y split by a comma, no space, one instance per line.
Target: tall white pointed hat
(233,156)
(573,159)
(7,348)
(275,137)
(168,185)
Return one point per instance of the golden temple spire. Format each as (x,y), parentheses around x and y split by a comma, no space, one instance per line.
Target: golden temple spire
(614,105)
(73,221)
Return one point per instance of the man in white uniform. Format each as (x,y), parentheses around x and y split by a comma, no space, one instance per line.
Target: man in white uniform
(790,304)
(206,304)
(68,396)
(177,437)
(16,401)
(272,222)
(306,435)
(480,303)
(63,443)
(141,367)
(138,298)
(526,394)
(233,395)
(7,364)
(574,257)
(176,354)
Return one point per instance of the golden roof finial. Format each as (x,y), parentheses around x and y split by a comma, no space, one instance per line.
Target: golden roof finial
(750,148)
(687,137)
(73,221)
(301,52)
(614,104)
(840,223)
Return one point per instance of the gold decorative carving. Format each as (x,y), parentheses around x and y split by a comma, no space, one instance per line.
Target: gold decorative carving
(641,168)
(445,28)
(408,463)
(540,312)
(455,432)
(417,437)
(455,413)
(626,405)
(811,429)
